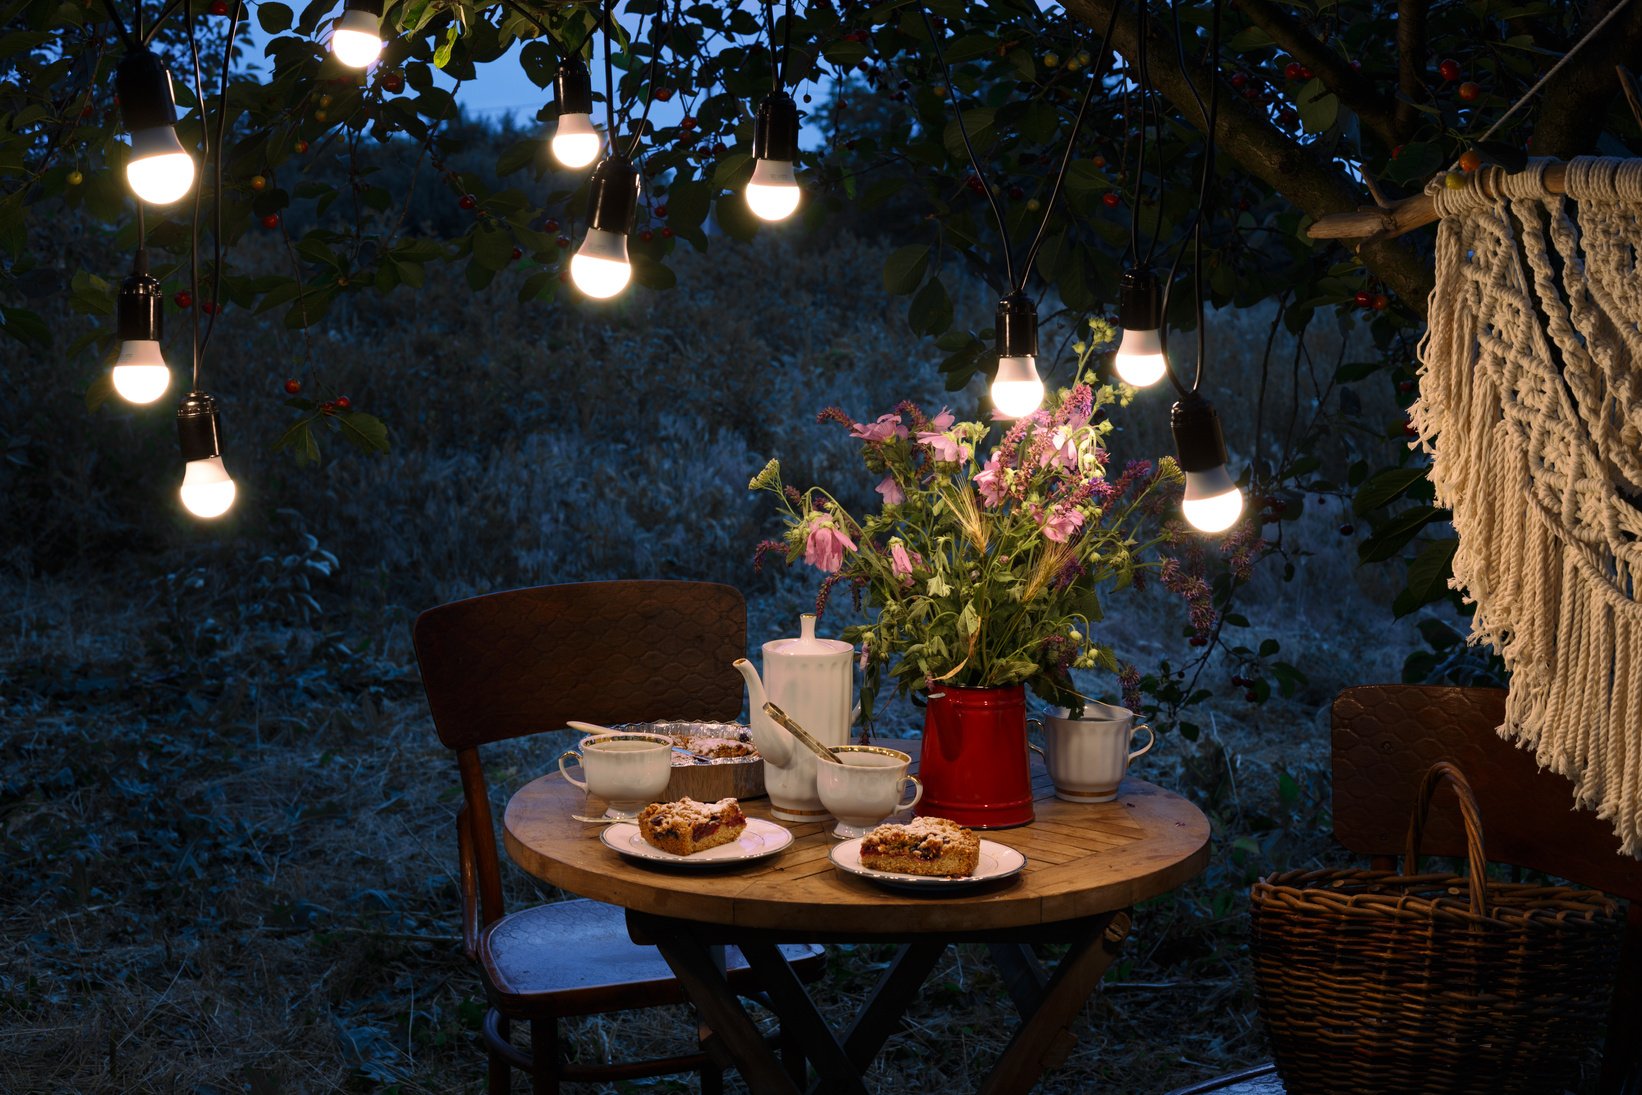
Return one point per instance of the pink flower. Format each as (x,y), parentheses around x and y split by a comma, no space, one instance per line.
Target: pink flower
(943,421)
(989,481)
(1061,450)
(887,426)
(901,561)
(891,490)
(944,446)
(1061,523)
(825,547)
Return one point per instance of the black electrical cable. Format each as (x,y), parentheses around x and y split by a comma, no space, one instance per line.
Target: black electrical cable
(159,20)
(216,194)
(609,79)
(1142,96)
(963,131)
(663,35)
(194,234)
(119,26)
(1203,188)
(1095,78)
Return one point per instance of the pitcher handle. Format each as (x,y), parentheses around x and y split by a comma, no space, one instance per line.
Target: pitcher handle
(917,791)
(1151,740)
(568,778)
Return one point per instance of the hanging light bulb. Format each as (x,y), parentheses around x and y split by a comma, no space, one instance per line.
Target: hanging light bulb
(600,267)
(159,171)
(772,193)
(356,36)
(207,490)
(575,142)
(1213,501)
(1140,362)
(140,375)
(1016,388)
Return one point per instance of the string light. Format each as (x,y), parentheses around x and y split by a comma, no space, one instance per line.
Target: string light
(1213,501)
(140,374)
(207,489)
(600,267)
(575,141)
(772,193)
(159,171)
(1017,390)
(356,36)
(1140,362)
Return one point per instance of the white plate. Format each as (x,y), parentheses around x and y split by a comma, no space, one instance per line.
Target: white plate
(760,840)
(996,861)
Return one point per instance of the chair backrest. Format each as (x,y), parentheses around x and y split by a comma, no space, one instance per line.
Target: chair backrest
(1386,736)
(505,665)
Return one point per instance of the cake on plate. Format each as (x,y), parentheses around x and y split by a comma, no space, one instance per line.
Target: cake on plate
(687,826)
(925,845)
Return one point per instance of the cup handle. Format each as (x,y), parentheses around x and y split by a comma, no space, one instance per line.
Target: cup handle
(1151,740)
(568,778)
(1036,723)
(917,792)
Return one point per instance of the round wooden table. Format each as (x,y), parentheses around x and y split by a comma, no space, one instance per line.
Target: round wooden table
(1087,866)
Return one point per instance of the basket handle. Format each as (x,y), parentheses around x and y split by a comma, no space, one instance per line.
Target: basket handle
(1440,772)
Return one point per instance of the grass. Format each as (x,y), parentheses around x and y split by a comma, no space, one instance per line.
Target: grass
(225,823)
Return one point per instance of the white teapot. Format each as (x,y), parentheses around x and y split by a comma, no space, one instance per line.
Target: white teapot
(811,680)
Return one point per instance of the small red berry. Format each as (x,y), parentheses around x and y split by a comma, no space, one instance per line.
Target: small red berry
(974,183)
(1449,69)
(1470,91)
(393,83)
(1288,115)
(1251,95)
(1364,299)
(209,307)
(647,235)
(1239,79)
(1237,682)
(563,242)
(1395,152)
(662,94)
(343,403)
(1251,695)
(666,233)
(271,220)
(301,147)
(468,201)
(718,148)
(1110,199)
(1305,73)
(661,210)
(183,299)
(550,225)
(1016,193)
(1381,302)
(518,253)
(1099,161)
(1347,530)
(328,407)
(1292,70)
(293,387)
(687,122)
(1199,640)
(219,7)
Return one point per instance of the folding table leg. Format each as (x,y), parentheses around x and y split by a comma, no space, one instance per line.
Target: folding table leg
(1044,1037)
(799,1015)
(1022,975)
(896,989)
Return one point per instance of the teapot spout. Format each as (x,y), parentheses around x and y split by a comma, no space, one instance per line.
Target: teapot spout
(774,743)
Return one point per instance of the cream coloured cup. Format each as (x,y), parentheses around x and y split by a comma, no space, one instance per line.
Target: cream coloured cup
(864,787)
(1087,758)
(629,771)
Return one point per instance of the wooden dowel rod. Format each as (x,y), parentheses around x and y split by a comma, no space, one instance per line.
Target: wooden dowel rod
(1410,213)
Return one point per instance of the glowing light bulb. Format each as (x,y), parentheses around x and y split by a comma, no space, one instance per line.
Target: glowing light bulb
(207,490)
(1017,390)
(159,171)
(356,36)
(575,142)
(140,374)
(772,193)
(1139,361)
(1213,503)
(600,267)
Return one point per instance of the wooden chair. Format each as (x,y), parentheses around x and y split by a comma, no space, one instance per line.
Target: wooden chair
(510,664)
(1385,737)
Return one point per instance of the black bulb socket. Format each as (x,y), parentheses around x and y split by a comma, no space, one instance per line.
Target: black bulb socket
(1140,300)
(1016,329)
(775,128)
(199,428)
(573,87)
(372,6)
(613,195)
(143,84)
(1199,442)
(139,313)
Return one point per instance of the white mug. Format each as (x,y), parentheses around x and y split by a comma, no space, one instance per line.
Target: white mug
(629,771)
(864,787)
(1088,757)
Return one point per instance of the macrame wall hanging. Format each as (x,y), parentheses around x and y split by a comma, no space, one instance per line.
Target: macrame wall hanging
(1531,408)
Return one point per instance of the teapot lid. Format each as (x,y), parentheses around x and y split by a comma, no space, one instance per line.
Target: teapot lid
(807,642)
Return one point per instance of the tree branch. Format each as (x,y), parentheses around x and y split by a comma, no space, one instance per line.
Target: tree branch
(1354,89)
(1574,105)
(1316,188)
(1411,59)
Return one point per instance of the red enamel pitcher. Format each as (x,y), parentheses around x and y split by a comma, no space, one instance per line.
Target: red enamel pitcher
(974,762)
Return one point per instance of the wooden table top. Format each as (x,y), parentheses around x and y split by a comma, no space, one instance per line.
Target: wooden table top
(1082,860)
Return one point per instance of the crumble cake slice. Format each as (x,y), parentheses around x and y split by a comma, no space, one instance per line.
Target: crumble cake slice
(687,826)
(925,845)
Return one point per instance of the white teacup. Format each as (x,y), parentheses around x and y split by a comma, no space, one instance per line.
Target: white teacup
(1088,757)
(865,787)
(629,771)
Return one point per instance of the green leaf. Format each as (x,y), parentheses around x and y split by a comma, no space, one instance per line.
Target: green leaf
(979,122)
(1402,527)
(1428,576)
(1386,487)
(100,390)
(273,18)
(904,269)
(1319,108)
(365,432)
(518,155)
(931,310)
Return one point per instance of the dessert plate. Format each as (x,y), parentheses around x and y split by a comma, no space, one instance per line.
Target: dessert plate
(760,840)
(997,861)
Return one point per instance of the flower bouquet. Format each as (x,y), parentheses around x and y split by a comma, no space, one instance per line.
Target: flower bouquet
(986,565)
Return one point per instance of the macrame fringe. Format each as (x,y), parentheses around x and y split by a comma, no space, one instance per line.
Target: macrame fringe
(1530,458)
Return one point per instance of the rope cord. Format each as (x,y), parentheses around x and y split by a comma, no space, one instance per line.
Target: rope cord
(963,131)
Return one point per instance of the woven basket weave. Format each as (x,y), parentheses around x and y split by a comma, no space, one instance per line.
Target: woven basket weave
(1431,984)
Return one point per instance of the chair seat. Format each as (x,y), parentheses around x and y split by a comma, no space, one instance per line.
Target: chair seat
(1261,1080)
(575,958)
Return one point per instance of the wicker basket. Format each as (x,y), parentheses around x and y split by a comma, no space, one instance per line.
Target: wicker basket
(1375,982)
